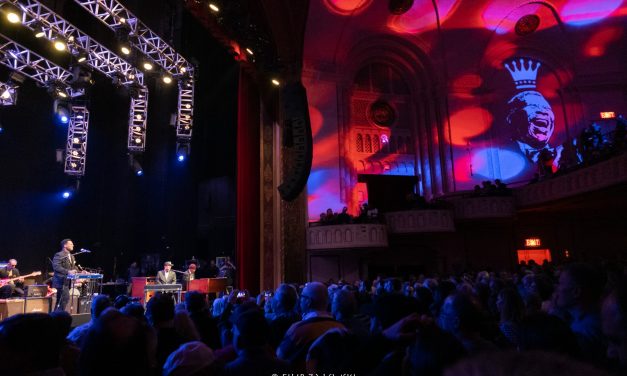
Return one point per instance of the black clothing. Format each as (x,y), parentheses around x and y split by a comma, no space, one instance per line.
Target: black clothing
(10,289)
(62,263)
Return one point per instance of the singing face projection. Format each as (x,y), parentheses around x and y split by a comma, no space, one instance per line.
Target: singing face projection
(530,117)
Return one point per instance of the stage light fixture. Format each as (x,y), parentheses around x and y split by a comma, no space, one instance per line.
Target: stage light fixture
(81,57)
(148,66)
(61,109)
(275,82)
(167,79)
(59,44)
(81,77)
(12,13)
(214,7)
(66,194)
(8,93)
(183,150)
(126,50)
(250,52)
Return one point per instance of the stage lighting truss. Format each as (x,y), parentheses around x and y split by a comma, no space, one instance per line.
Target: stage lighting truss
(185,116)
(28,63)
(137,120)
(76,147)
(40,19)
(8,94)
(116,16)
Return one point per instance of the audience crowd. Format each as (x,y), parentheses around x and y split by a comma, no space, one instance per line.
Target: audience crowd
(537,320)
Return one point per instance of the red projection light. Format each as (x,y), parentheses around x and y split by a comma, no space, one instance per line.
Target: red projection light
(527,24)
(533,242)
(608,115)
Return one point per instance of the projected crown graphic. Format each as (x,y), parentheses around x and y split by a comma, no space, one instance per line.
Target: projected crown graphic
(523,73)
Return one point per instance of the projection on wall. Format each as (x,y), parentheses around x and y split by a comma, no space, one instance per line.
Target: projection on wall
(530,116)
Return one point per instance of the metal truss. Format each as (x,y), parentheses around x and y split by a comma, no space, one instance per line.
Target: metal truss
(8,94)
(137,120)
(20,59)
(115,15)
(184,120)
(38,18)
(76,146)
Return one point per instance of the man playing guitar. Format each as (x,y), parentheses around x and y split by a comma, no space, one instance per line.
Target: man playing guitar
(11,282)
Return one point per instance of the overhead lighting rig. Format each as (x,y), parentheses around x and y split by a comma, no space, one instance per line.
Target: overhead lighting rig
(116,16)
(76,146)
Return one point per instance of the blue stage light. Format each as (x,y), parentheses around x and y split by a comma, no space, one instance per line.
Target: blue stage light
(139,172)
(67,194)
(181,158)
(64,119)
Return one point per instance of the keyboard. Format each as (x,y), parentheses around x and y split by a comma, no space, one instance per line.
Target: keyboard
(85,276)
(164,288)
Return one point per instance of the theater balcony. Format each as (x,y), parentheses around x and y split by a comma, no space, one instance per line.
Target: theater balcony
(467,208)
(587,179)
(419,221)
(347,236)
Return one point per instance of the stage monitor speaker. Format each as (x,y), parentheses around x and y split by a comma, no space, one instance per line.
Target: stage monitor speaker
(10,307)
(297,134)
(81,305)
(39,305)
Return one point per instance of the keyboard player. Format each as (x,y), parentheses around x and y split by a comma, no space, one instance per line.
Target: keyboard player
(167,275)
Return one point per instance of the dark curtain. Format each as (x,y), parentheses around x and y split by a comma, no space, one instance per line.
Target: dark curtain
(248,184)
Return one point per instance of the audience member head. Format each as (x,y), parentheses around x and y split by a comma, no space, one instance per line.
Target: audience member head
(390,308)
(160,309)
(545,332)
(120,301)
(393,285)
(195,301)
(116,339)
(135,310)
(614,323)
(250,330)
(192,358)
(218,306)
(344,305)
(99,304)
(510,305)
(314,298)
(18,354)
(63,320)
(460,313)
(580,286)
(433,351)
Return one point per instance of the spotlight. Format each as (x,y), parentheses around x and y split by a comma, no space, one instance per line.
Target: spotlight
(126,50)
(12,13)
(214,7)
(148,65)
(66,194)
(167,79)
(61,110)
(81,77)
(250,52)
(135,165)
(81,57)
(182,151)
(183,70)
(275,82)
(8,93)
(38,29)
(59,44)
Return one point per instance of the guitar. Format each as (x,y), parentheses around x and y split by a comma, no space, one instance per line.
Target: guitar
(5,281)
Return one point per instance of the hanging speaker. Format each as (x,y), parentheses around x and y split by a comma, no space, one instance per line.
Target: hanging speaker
(296,135)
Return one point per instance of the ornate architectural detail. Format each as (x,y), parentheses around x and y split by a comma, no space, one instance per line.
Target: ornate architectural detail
(414,221)
(347,236)
(484,207)
(601,175)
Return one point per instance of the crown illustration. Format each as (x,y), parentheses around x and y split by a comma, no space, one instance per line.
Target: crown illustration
(524,78)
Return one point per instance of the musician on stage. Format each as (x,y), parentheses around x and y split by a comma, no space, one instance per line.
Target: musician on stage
(166,276)
(63,264)
(189,275)
(11,288)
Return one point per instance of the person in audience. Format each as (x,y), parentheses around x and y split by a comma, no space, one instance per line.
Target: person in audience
(344,309)
(98,305)
(461,315)
(284,313)
(206,325)
(614,324)
(578,294)
(160,315)
(21,339)
(432,352)
(344,217)
(69,352)
(250,339)
(118,344)
(135,310)
(192,358)
(544,332)
(167,275)
(511,309)
(316,320)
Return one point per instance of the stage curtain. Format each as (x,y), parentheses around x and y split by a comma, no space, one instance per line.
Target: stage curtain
(248,184)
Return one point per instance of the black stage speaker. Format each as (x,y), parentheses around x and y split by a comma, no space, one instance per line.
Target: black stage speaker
(297,134)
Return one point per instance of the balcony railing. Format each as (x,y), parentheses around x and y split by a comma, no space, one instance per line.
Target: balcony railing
(416,221)
(347,236)
(484,207)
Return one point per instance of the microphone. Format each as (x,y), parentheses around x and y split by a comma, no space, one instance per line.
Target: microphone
(85,250)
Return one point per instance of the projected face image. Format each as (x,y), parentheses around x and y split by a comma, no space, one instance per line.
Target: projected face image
(531,119)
